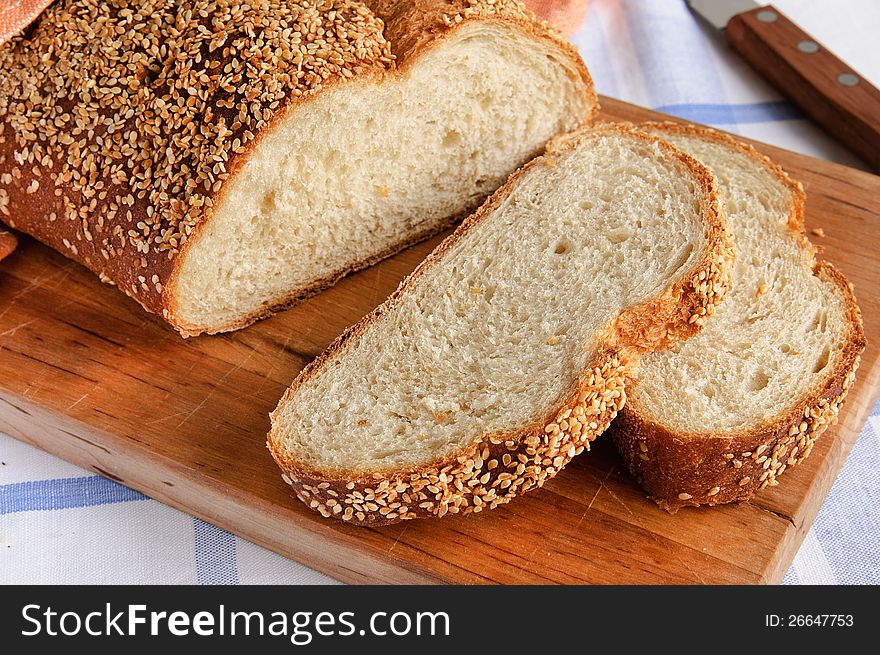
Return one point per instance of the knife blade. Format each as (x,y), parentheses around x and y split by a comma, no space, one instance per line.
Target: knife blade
(719,12)
(831,93)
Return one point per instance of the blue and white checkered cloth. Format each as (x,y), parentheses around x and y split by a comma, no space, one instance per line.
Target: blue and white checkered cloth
(61,524)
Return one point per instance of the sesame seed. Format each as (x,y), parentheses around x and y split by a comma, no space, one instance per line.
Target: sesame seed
(465,484)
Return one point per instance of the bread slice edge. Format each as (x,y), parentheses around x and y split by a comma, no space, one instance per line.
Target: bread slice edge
(500,467)
(680,469)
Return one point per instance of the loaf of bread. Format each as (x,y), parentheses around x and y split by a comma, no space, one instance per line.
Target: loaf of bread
(219,159)
(506,351)
(727,412)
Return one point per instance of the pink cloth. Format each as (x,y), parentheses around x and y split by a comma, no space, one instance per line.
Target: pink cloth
(15,15)
(565,15)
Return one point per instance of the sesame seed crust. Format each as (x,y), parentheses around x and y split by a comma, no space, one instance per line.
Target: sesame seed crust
(131,117)
(696,470)
(485,475)
(680,469)
(120,122)
(498,468)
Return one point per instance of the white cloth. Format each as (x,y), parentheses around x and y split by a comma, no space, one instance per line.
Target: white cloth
(61,524)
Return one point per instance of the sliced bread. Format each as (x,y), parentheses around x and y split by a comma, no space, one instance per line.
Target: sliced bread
(727,412)
(506,351)
(219,159)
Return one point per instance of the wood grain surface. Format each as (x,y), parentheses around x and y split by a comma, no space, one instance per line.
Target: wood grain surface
(807,73)
(87,375)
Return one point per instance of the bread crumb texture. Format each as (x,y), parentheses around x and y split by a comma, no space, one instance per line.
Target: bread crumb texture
(457,394)
(729,411)
(487,474)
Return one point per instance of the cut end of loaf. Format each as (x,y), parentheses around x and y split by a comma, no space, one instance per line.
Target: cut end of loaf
(371,166)
(490,367)
(729,411)
(184,178)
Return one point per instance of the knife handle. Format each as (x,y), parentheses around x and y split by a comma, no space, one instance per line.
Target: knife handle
(827,90)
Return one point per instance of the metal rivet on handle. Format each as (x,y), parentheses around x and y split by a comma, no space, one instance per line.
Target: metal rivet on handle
(767,16)
(808,46)
(848,79)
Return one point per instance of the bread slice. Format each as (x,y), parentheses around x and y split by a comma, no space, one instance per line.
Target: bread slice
(220,159)
(727,412)
(505,353)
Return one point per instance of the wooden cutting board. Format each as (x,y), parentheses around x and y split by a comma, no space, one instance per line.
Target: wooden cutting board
(87,375)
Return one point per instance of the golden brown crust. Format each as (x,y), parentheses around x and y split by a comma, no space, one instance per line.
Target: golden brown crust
(120,124)
(680,469)
(483,476)
(681,311)
(496,469)
(413,25)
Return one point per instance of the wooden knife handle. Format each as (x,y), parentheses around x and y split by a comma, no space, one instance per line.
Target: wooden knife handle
(827,90)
